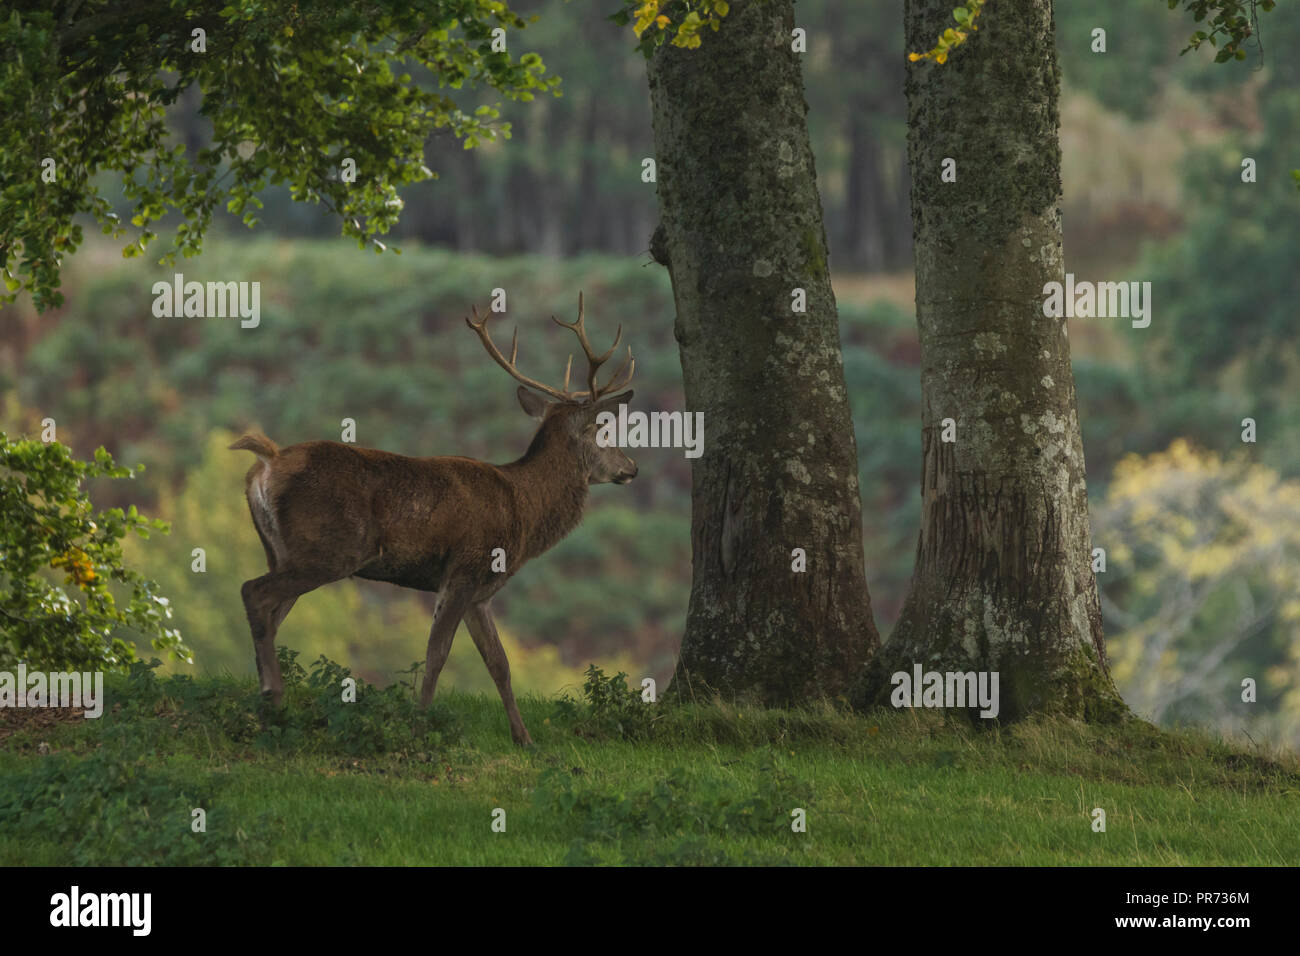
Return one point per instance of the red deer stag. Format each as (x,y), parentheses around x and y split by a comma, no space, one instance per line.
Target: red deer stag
(327,511)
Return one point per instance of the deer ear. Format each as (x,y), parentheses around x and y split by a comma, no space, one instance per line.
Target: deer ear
(532,403)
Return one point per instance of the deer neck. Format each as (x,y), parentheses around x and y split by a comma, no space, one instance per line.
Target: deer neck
(551,486)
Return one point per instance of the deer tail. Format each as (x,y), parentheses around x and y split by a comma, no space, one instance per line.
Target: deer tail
(259,445)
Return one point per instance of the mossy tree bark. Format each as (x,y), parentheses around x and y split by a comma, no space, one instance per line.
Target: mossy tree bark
(741,230)
(1003,578)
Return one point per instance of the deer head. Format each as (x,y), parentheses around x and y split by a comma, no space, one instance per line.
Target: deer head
(569,417)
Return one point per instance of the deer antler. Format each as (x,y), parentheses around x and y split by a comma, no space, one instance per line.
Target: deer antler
(594,392)
(481,331)
(594,361)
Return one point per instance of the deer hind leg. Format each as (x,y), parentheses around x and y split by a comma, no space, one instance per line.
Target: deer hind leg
(484,631)
(451,607)
(267,601)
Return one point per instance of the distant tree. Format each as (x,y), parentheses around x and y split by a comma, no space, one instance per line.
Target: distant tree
(857,120)
(1225,347)
(48,527)
(1202,586)
(291,91)
(1141,52)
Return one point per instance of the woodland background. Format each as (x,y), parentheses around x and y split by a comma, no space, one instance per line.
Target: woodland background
(1201,531)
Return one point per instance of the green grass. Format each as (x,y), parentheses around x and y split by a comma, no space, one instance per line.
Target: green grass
(614,781)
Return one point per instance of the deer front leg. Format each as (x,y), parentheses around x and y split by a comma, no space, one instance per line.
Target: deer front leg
(484,631)
(446,619)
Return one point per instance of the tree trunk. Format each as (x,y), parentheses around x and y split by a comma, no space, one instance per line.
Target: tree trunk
(741,229)
(1003,578)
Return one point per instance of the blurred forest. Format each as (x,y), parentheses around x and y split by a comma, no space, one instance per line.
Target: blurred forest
(1201,530)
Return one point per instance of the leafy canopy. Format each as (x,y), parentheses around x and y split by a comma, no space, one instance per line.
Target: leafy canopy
(291,90)
(952,38)
(1233,20)
(47,524)
(675,21)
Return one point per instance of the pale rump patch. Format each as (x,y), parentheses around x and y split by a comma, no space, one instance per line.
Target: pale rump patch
(263,513)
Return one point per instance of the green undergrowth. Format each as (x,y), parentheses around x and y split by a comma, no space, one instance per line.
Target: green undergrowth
(612,780)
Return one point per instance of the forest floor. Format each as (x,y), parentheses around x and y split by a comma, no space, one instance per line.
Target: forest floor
(613,780)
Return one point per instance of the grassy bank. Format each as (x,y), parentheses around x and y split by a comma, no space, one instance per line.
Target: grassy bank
(612,780)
